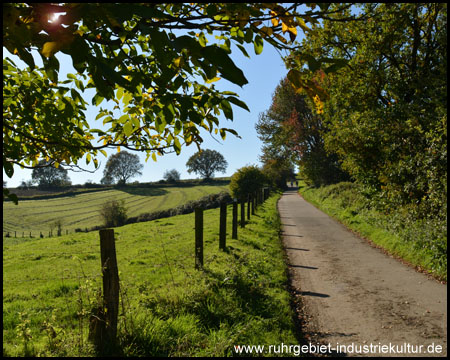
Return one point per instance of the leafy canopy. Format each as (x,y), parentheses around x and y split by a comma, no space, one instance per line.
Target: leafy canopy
(50,176)
(387,112)
(246,181)
(292,134)
(121,167)
(206,163)
(172,176)
(156,62)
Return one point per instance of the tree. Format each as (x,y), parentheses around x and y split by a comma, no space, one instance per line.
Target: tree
(387,110)
(245,181)
(49,177)
(121,167)
(277,171)
(206,163)
(134,56)
(172,175)
(114,213)
(292,132)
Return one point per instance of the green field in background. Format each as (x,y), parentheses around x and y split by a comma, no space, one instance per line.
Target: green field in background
(82,210)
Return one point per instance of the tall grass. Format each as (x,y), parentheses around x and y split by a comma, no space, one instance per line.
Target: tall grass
(167,307)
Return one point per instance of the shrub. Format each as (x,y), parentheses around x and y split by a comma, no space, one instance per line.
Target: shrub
(246,180)
(114,213)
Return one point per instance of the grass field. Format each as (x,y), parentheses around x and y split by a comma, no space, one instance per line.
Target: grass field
(82,210)
(167,308)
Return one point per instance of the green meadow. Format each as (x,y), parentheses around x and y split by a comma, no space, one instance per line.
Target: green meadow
(81,210)
(167,308)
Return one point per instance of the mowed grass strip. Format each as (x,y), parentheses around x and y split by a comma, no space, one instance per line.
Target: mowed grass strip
(167,307)
(82,210)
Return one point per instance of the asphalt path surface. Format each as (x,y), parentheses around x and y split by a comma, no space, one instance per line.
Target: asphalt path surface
(355,299)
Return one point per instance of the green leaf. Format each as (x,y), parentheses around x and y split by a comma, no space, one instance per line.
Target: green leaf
(127,98)
(119,93)
(176,145)
(27,57)
(97,100)
(50,48)
(258,43)
(295,77)
(8,168)
(112,75)
(123,119)
(177,127)
(238,102)
(227,110)
(160,124)
(232,131)
(240,47)
(51,67)
(128,128)
(219,57)
(202,39)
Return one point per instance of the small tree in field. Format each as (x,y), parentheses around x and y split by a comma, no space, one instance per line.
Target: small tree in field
(114,213)
(121,167)
(206,163)
(172,175)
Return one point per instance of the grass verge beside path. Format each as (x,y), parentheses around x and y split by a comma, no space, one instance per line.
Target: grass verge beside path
(167,308)
(344,203)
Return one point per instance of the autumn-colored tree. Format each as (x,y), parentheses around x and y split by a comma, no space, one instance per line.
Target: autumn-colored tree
(387,111)
(386,116)
(291,130)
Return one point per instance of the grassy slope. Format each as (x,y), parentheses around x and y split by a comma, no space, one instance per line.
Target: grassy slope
(81,211)
(170,308)
(342,202)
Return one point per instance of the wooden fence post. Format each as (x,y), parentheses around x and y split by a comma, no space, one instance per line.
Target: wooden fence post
(242,213)
(103,329)
(223,226)
(248,206)
(235,220)
(198,238)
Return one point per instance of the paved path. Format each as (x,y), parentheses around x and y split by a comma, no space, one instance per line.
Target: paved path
(353,293)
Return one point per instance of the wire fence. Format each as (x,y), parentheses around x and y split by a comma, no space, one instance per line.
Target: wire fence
(174,258)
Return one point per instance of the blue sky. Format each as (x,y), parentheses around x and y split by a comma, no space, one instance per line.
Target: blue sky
(263,73)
